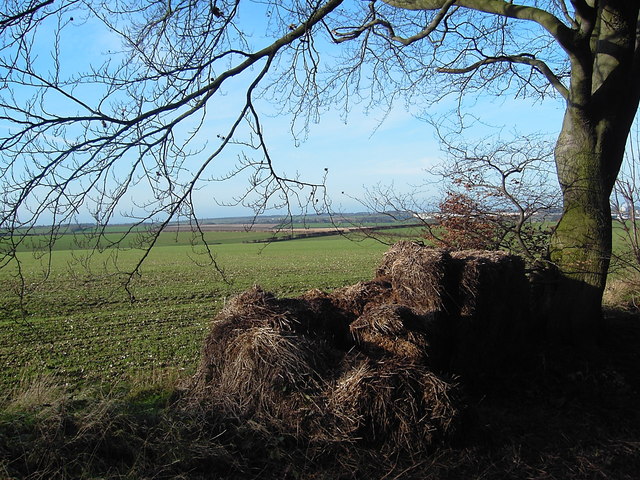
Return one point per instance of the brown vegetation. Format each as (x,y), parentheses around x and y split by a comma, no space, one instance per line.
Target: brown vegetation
(284,364)
(418,277)
(480,298)
(465,224)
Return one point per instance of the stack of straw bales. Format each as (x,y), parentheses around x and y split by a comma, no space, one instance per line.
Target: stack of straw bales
(480,297)
(375,362)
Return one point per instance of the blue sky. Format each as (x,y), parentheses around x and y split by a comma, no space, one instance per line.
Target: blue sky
(377,147)
(399,151)
(380,147)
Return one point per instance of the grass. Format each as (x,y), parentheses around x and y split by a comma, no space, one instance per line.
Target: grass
(80,324)
(136,239)
(89,380)
(566,417)
(86,373)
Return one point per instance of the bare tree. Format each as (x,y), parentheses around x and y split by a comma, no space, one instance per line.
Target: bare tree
(68,135)
(511,186)
(494,194)
(134,121)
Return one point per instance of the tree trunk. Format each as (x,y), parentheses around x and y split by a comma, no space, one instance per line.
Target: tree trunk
(601,106)
(581,244)
(589,154)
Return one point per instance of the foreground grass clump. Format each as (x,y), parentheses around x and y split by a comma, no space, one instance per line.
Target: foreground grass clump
(623,291)
(107,431)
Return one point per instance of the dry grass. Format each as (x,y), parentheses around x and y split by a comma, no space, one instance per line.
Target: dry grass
(623,291)
(479,298)
(278,363)
(395,406)
(396,330)
(365,364)
(353,299)
(33,394)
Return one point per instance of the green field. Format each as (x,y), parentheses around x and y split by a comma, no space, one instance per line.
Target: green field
(80,324)
(90,379)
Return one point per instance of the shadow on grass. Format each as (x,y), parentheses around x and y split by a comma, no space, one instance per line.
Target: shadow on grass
(565,416)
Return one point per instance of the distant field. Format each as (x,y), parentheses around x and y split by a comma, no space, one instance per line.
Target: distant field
(81,326)
(173,235)
(81,241)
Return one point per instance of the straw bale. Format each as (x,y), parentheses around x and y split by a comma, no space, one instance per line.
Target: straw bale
(262,366)
(493,297)
(359,364)
(489,275)
(264,374)
(353,299)
(479,298)
(394,405)
(255,305)
(311,314)
(418,276)
(392,329)
(255,360)
(282,363)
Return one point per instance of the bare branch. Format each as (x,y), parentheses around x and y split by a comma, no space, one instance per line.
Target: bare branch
(9,19)
(89,157)
(525,59)
(550,23)
(343,34)
(506,184)
(567,16)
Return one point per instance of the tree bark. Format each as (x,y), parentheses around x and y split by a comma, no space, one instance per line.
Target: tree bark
(603,100)
(581,244)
